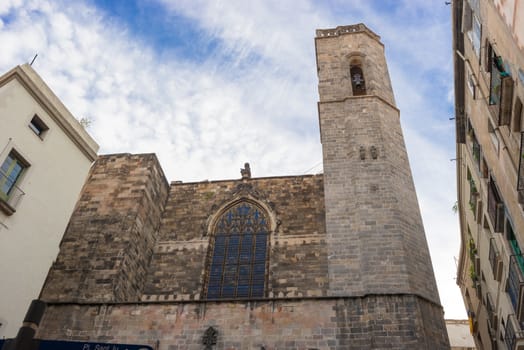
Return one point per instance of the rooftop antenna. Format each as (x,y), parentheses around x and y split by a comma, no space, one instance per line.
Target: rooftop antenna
(34,58)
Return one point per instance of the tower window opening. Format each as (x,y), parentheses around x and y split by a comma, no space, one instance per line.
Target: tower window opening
(38,126)
(357,81)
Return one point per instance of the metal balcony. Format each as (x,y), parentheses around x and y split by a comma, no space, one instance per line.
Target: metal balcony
(514,336)
(10,195)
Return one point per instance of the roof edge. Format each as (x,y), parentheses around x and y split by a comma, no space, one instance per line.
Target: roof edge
(43,94)
(348,29)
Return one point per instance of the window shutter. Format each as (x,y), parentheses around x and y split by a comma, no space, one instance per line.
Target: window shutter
(467,17)
(506,99)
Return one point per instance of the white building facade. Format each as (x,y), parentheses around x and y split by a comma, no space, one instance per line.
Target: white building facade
(45,155)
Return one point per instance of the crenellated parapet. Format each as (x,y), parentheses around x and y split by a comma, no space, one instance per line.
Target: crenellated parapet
(350,29)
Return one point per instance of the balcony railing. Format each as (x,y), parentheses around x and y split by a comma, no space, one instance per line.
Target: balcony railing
(520,178)
(515,285)
(10,195)
(514,336)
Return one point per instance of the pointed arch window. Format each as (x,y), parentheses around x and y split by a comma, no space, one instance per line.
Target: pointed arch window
(239,253)
(357,80)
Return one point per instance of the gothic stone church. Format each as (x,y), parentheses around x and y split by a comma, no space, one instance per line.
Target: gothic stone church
(332,261)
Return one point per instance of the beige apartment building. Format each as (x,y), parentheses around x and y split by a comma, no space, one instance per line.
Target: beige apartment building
(488,51)
(45,155)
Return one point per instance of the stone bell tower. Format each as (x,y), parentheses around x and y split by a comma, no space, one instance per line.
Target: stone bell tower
(377,250)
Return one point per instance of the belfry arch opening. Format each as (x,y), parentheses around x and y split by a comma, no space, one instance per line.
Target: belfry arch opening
(356,73)
(358,82)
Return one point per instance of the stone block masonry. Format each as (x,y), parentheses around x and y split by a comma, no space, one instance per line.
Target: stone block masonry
(297,255)
(107,246)
(374,232)
(132,238)
(391,322)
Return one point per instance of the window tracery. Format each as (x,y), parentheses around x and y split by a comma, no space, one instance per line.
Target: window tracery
(239,253)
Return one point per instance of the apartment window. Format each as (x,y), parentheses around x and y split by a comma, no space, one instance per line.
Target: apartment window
(11,170)
(510,334)
(515,282)
(238,263)
(475,146)
(476,34)
(473,193)
(500,90)
(494,87)
(38,126)
(484,169)
(471,24)
(471,83)
(520,178)
(495,207)
(517,116)
(493,136)
(495,260)
(489,56)
(512,239)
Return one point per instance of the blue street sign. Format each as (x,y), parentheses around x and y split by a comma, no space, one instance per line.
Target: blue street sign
(77,345)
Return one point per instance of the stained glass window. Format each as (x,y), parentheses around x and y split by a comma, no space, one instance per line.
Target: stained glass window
(238,264)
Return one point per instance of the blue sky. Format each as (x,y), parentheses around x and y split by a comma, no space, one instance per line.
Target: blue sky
(210,84)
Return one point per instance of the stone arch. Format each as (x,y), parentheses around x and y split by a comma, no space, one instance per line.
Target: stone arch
(356,73)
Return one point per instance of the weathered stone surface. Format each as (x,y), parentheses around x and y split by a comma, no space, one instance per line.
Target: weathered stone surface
(297,254)
(372,322)
(109,241)
(373,224)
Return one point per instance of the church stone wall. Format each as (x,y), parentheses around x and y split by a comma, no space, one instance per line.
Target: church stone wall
(109,241)
(297,253)
(133,238)
(373,322)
